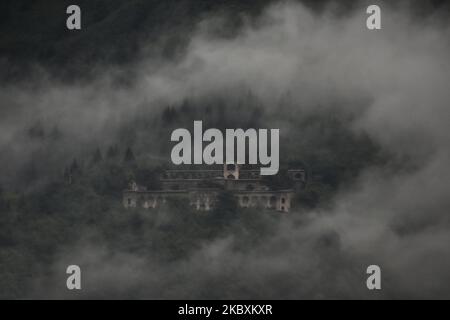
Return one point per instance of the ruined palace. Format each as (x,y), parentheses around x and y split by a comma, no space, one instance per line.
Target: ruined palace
(200,188)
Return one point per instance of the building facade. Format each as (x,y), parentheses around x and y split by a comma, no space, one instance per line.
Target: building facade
(200,188)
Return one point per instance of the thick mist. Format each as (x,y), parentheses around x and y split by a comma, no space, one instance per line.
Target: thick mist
(390,86)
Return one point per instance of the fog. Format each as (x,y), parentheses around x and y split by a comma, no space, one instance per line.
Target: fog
(391,85)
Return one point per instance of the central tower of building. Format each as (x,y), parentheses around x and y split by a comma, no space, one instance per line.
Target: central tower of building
(231,171)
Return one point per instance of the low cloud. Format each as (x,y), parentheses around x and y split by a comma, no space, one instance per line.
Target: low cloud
(391,83)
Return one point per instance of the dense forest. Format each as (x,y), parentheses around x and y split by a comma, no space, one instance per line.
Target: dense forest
(57,198)
(84,113)
(34,34)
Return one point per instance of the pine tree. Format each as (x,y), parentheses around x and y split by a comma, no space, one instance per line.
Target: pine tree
(169,114)
(97,157)
(67,175)
(75,168)
(129,156)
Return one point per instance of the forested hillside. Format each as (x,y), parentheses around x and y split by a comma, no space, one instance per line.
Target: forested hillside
(82,113)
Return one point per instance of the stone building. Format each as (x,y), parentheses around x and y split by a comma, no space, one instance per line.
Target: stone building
(200,188)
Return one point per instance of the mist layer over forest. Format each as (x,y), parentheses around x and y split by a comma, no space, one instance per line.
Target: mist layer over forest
(365,113)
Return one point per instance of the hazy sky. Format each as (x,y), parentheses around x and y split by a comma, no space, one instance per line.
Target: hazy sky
(394,85)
